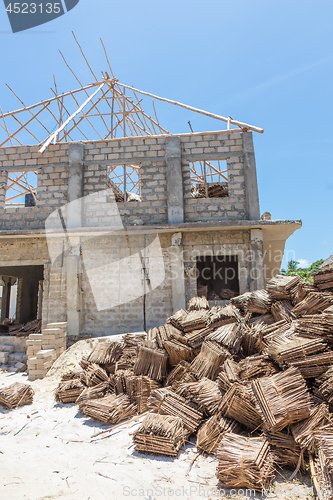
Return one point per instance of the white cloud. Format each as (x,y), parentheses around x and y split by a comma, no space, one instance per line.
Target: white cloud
(303,263)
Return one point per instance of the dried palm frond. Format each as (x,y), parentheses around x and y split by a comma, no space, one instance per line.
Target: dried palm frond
(244,462)
(94,375)
(313,366)
(178,351)
(176,406)
(241,300)
(325,389)
(287,349)
(69,390)
(119,380)
(282,398)
(160,434)
(195,338)
(105,353)
(207,363)
(210,433)
(313,303)
(303,431)
(84,363)
(134,339)
(16,394)
(317,325)
(139,389)
(197,303)
(151,362)
(110,409)
(180,374)
(282,287)
(282,310)
(322,474)
(96,392)
(238,403)
(251,340)
(229,336)
(205,393)
(301,291)
(267,319)
(258,302)
(195,320)
(156,397)
(323,280)
(231,369)
(127,358)
(173,332)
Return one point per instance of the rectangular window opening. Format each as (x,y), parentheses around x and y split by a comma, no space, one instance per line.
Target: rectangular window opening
(217,277)
(121,178)
(209,179)
(21,189)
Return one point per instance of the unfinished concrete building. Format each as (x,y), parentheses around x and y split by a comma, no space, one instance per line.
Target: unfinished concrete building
(186,205)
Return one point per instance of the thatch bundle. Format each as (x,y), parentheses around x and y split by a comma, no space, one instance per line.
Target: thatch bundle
(205,393)
(256,302)
(96,392)
(69,390)
(178,351)
(175,405)
(282,311)
(160,434)
(139,389)
(322,473)
(255,366)
(70,375)
(325,388)
(229,336)
(110,409)
(195,320)
(282,287)
(197,303)
(180,374)
(251,338)
(317,325)
(313,366)
(219,316)
(283,399)
(323,280)
(195,339)
(313,303)
(151,362)
(304,431)
(238,403)
(207,363)
(94,374)
(210,433)
(156,397)
(244,462)
(285,349)
(105,353)
(286,451)
(16,394)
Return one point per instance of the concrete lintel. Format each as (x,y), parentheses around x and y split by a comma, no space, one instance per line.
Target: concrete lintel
(177,271)
(174,178)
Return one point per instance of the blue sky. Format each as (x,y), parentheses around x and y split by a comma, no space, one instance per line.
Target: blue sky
(267,63)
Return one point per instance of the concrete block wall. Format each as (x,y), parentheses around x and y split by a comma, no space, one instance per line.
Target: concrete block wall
(53,178)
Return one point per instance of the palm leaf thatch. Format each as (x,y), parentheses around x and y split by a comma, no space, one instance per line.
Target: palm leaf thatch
(110,409)
(16,394)
(69,390)
(176,406)
(207,363)
(151,362)
(210,433)
(238,403)
(282,287)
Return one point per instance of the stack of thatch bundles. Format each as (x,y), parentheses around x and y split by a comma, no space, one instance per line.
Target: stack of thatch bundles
(229,336)
(70,375)
(139,389)
(251,338)
(286,451)
(325,389)
(205,393)
(195,339)
(282,287)
(283,399)
(175,405)
(156,397)
(69,390)
(195,320)
(318,325)
(160,434)
(17,394)
(96,392)
(180,374)
(258,301)
(323,280)
(301,291)
(105,353)
(238,403)
(244,462)
(313,303)
(287,349)
(210,433)
(110,409)
(207,363)
(151,362)
(304,431)
(178,351)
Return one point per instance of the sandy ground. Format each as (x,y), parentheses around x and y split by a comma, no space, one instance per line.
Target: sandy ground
(47,451)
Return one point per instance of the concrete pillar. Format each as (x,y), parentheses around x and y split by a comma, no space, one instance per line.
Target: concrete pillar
(5,302)
(177,272)
(74,220)
(257,272)
(174,178)
(250,177)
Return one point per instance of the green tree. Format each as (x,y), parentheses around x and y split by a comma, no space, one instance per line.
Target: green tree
(305,273)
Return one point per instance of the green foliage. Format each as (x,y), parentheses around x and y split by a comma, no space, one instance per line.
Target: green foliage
(304,273)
